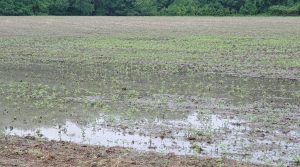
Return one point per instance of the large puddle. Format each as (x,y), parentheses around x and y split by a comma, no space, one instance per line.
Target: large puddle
(250,120)
(232,141)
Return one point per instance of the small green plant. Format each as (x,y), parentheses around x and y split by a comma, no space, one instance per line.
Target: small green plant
(195,147)
(133,94)
(194,134)
(223,150)
(297,160)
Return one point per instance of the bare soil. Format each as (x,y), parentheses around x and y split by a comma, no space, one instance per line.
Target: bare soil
(33,152)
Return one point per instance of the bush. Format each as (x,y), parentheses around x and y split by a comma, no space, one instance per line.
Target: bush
(294,10)
(280,10)
(58,7)
(182,8)
(145,7)
(249,8)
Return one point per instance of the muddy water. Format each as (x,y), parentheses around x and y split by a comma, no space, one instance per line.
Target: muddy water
(232,141)
(248,119)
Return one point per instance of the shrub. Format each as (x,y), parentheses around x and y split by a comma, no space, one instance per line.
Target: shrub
(284,10)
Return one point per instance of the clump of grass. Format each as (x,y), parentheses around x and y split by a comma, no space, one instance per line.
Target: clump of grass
(198,135)
(196,148)
(297,160)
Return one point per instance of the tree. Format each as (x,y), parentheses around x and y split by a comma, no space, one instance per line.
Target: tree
(149,7)
(183,7)
(290,2)
(285,10)
(249,8)
(163,4)
(99,8)
(40,7)
(80,7)
(232,5)
(15,8)
(145,7)
(6,7)
(118,7)
(59,7)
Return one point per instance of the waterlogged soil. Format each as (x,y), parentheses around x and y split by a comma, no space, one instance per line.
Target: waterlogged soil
(226,123)
(39,153)
(111,100)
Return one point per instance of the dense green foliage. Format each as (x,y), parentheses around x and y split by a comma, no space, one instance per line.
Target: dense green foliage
(149,7)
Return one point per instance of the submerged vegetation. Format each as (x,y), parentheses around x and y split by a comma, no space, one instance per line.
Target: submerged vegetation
(219,87)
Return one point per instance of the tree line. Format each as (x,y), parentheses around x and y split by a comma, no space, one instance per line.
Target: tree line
(150,7)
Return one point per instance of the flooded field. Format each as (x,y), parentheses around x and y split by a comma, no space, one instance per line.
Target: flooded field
(203,87)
